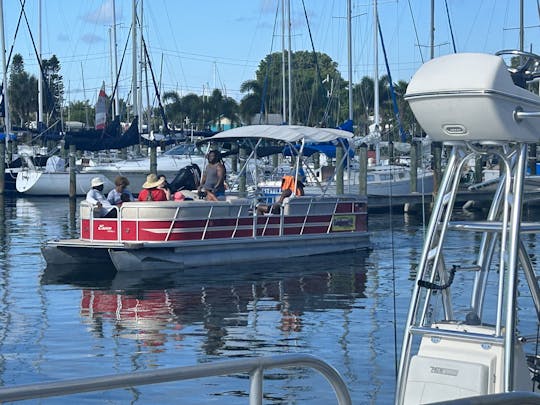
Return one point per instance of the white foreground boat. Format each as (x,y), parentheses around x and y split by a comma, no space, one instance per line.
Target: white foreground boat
(454,349)
(177,234)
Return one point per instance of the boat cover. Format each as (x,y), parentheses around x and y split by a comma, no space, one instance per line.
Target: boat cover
(285,133)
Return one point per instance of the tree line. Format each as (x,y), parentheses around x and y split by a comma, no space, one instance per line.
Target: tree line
(319,98)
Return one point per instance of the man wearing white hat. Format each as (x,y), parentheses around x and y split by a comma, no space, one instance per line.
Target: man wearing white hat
(102,207)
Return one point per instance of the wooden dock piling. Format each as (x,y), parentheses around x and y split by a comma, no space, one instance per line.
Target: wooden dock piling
(72,172)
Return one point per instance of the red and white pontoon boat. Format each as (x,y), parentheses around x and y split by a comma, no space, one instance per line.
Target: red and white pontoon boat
(177,234)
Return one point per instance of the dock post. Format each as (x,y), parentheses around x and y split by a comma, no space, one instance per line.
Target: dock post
(9,151)
(478,166)
(2,165)
(234,158)
(339,170)
(316,161)
(363,162)
(391,156)
(73,216)
(72,173)
(153,157)
(414,167)
(242,181)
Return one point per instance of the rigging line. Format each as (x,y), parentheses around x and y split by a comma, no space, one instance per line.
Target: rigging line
(48,92)
(390,197)
(161,109)
(402,131)
(16,32)
(115,88)
(416,32)
(450,26)
(267,73)
(325,116)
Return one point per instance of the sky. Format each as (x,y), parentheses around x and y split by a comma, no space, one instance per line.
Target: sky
(198,45)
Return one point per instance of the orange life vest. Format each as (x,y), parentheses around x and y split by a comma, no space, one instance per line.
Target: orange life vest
(287,183)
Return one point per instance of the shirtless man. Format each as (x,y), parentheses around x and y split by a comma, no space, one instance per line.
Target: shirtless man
(213,179)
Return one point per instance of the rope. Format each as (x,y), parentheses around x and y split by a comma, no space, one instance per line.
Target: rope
(433,286)
(450,25)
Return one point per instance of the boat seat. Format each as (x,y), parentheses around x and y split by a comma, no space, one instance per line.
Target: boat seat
(166,210)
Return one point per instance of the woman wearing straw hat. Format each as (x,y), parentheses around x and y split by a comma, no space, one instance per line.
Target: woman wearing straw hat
(150,191)
(102,207)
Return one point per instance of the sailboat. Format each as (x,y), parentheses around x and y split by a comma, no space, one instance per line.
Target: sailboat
(385,178)
(54,178)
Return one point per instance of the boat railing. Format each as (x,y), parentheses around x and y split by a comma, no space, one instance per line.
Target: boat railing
(232,218)
(254,367)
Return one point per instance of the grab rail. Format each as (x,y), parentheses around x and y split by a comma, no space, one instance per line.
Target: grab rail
(254,367)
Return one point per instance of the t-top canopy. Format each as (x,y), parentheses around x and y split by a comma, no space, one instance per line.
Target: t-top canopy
(285,133)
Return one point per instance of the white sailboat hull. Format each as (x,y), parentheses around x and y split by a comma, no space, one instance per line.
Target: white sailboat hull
(41,183)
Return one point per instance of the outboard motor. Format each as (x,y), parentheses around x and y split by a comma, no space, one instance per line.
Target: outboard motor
(188,178)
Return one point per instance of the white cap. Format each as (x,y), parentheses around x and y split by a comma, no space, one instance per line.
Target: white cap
(96,181)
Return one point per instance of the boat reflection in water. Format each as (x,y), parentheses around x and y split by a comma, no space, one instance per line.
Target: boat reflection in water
(230,308)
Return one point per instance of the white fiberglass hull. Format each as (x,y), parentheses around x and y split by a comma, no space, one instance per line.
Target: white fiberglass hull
(136,170)
(40,183)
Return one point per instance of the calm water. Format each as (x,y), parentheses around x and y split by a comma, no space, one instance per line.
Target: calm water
(341,308)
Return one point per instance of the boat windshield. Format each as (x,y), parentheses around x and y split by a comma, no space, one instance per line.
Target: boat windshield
(186,149)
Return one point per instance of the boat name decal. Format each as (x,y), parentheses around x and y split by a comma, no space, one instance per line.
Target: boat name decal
(444,371)
(105,228)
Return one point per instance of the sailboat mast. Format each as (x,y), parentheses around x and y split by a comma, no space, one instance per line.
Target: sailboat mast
(432,30)
(289,60)
(284,85)
(349,56)
(134,61)
(521,27)
(140,62)
(376,79)
(40,76)
(5,78)
(115,59)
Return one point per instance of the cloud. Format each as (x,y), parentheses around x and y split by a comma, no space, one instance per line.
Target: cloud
(63,37)
(91,38)
(103,15)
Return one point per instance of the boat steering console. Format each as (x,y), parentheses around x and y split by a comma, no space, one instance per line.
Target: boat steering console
(528,67)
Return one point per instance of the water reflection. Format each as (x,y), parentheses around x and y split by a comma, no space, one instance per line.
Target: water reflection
(223,303)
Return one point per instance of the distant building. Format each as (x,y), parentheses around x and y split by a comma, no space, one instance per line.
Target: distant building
(222,124)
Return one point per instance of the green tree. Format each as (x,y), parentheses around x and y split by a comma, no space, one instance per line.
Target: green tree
(310,102)
(54,88)
(22,92)
(82,111)
(251,102)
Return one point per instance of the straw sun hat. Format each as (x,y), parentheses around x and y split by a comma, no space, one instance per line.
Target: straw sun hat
(151,181)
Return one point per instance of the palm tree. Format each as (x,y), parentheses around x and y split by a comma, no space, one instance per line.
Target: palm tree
(173,107)
(251,103)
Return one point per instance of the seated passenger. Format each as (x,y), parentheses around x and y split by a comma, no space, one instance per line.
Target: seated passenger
(150,191)
(287,187)
(213,180)
(165,186)
(102,207)
(120,194)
